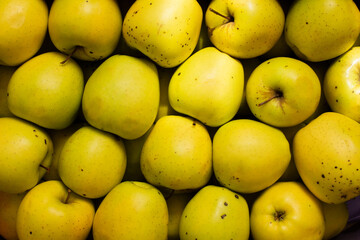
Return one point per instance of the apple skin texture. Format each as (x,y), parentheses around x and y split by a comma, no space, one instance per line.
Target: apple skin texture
(177,146)
(132,210)
(23,147)
(92,162)
(287,210)
(323,29)
(256,27)
(44,214)
(165,31)
(208,86)
(283,91)
(47,92)
(215,213)
(122,96)
(244,149)
(93,27)
(23,30)
(327,156)
(341,84)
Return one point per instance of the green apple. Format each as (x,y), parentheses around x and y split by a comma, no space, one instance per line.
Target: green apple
(327,157)
(323,29)
(287,210)
(122,96)
(50,211)
(5,75)
(92,162)
(244,149)
(245,28)
(45,91)
(23,30)
(132,210)
(215,213)
(9,204)
(208,86)
(283,91)
(336,219)
(165,31)
(87,30)
(25,154)
(341,84)
(177,154)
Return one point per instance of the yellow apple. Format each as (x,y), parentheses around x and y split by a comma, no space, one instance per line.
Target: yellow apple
(23,30)
(336,218)
(5,75)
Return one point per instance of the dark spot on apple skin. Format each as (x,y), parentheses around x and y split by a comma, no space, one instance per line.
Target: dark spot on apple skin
(179,73)
(322,175)
(223,216)
(45,141)
(30,232)
(236,196)
(225,204)
(317,182)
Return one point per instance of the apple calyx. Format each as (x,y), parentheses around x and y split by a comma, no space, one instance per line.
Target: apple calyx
(67,196)
(70,55)
(279,215)
(44,167)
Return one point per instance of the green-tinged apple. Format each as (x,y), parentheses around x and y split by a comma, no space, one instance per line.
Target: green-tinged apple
(323,29)
(132,210)
(87,30)
(165,31)
(342,84)
(92,162)
(244,149)
(215,213)
(336,219)
(25,154)
(177,154)
(327,157)
(59,137)
(283,91)
(9,204)
(176,204)
(23,30)
(46,91)
(165,108)
(5,75)
(51,211)
(287,210)
(208,86)
(122,96)
(245,28)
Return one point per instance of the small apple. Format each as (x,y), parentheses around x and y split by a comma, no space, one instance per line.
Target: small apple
(23,30)
(341,84)
(287,210)
(50,211)
(86,30)
(245,28)
(25,154)
(92,162)
(283,91)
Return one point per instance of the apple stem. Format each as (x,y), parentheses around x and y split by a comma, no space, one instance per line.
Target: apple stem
(268,100)
(68,196)
(219,14)
(69,56)
(46,168)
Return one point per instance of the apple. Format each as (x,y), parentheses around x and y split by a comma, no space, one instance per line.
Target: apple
(50,211)
(341,86)
(321,30)
(25,154)
(244,149)
(132,210)
(122,96)
(86,30)
(283,91)
(336,219)
(245,28)
(208,86)
(287,210)
(46,91)
(92,162)
(5,75)
(165,31)
(215,213)
(23,30)
(327,156)
(177,154)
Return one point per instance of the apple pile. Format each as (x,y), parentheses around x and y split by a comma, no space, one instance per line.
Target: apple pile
(159,119)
